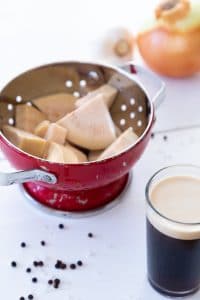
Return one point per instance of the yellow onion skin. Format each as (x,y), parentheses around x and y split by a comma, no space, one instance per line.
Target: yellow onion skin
(169,53)
(171,45)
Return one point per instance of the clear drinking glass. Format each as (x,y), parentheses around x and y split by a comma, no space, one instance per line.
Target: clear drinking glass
(173,247)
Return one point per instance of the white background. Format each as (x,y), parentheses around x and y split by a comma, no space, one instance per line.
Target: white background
(37,32)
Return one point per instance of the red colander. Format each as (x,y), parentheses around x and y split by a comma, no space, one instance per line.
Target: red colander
(85,186)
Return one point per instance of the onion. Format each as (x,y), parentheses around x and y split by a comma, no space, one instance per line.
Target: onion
(170,45)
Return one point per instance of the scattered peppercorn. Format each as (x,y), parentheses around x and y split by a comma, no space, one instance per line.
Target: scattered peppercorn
(56,266)
(165,137)
(152,135)
(79,263)
(60,265)
(35,263)
(40,263)
(63,266)
(72,266)
(23,245)
(13,264)
(56,283)
(61,226)
(28,270)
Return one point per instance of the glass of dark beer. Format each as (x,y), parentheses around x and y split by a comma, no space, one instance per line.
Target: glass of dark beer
(173,230)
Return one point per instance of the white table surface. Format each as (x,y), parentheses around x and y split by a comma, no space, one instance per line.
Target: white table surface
(36,32)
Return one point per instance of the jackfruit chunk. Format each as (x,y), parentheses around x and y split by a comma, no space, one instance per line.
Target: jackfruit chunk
(90,126)
(26,141)
(126,139)
(41,128)
(65,154)
(56,133)
(109,93)
(93,155)
(55,106)
(27,117)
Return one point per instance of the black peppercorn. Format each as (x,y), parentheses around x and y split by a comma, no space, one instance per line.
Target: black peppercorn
(23,245)
(61,226)
(35,263)
(21,298)
(43,243)
(56,283)
(30,297)
(34,279)
(50,281)
(72,266)
(165,137)
(13,264)
(63,266)
(40,263)
(60,265)
(79,263)
(90,235)
(28,270)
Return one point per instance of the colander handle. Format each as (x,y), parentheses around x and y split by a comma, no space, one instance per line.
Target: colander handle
(25,176)
(151,83)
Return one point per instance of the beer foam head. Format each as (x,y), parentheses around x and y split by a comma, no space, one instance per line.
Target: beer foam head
(175,207)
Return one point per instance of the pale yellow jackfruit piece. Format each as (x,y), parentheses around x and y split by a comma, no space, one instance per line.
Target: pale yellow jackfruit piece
(107,91)
(55,106)
(28,117)
(65,154)
(90,126)
(55,153)
(80,156)
(26,141)
(56,133)
(126,139)
(41,128)
(93,155)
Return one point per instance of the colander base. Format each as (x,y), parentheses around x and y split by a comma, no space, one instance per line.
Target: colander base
(77,203)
